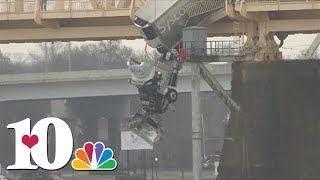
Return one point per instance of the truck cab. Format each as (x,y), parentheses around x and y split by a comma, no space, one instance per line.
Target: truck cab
(161,21)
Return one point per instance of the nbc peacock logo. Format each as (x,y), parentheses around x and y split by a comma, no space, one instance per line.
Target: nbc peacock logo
(94,157)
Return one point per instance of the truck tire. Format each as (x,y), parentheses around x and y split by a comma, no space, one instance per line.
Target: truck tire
(162,50)
(172,95)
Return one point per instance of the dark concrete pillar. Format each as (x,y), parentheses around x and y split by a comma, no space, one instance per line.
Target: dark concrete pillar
(64,109)
(3,137)
(121,110)
(276,136)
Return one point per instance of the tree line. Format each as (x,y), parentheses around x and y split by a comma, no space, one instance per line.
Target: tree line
(60,57)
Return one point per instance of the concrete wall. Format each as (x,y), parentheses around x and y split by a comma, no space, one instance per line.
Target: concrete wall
(276,136)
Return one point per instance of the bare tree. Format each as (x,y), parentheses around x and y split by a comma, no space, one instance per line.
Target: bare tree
(92,56)
(50,57)
(6,65)
(109,54)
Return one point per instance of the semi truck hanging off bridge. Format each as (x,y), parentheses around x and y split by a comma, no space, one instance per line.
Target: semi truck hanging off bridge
(161,24)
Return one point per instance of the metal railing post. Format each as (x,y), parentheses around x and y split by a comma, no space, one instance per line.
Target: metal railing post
(106,4)
(70,5)
(18,6)
(7,6)
(211,49)
(191,49)
(59,5)
(215,48)
(223,46)
(229,49)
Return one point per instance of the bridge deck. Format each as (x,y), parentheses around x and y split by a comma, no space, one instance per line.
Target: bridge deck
(114,82)
(84,20)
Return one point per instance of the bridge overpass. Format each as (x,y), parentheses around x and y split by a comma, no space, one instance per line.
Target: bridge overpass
(25,21)
(57,85)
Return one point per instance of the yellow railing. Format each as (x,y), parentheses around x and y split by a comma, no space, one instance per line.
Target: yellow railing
(9,6)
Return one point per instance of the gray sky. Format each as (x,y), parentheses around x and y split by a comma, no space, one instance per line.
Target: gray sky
(293,46)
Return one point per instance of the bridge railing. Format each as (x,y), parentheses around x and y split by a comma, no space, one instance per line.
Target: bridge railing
(78,5)
(211,49)
(6,6)
(277,1)
(29,6)
(266,1)
(9,6)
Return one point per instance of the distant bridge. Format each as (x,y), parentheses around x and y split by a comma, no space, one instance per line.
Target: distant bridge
(57,85)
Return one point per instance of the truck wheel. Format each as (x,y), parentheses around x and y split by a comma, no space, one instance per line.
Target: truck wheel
(162,50)
(172,95)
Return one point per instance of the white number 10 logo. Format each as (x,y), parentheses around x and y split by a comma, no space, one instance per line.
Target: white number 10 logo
(35,143)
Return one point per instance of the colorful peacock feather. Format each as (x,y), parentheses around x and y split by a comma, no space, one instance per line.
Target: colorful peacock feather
(94,157)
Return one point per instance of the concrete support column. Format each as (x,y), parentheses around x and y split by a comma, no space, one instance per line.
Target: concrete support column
(18,5)
(268,48)
(249,49)
(260,44)
(124,113)
(3,136)
(59,5)
(196,121)
(120,109)
(125,105)
(61,109)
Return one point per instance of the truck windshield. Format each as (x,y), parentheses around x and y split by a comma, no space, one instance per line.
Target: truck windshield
(153,9)
(149,33)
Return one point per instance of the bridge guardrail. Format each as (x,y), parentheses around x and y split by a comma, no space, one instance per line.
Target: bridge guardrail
(6,6)
(9,6)
(204,50)
(272,1)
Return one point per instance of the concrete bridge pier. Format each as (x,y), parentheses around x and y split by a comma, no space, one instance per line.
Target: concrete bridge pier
(276,135)
(120,113)
(63,109)
(98,119)
(3,136)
